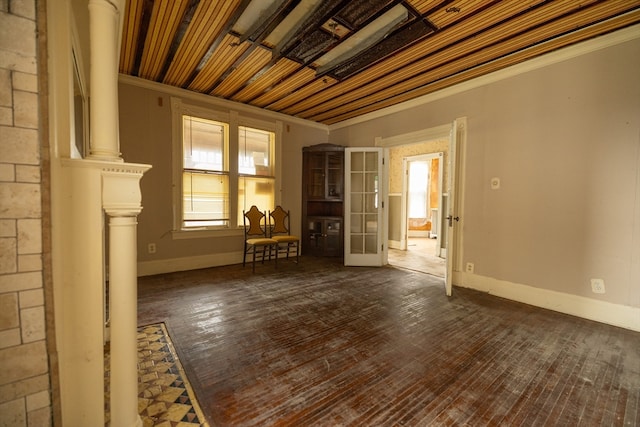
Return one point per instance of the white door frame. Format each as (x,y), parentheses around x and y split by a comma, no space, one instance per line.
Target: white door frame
(455,207)
(425,135)
(454,256)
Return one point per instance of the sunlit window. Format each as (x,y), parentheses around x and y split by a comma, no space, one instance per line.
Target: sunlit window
(205,177)
(256,184)
(418,182)
(208,193)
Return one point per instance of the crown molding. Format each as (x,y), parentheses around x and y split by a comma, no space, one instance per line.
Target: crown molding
(217,102)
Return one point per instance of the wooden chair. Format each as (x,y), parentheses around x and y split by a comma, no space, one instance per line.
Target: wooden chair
(279,228)
(255,236)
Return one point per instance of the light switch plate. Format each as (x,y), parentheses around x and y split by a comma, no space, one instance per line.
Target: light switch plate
(495,183)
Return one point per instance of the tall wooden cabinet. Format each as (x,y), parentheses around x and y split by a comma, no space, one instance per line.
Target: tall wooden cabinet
(322,200)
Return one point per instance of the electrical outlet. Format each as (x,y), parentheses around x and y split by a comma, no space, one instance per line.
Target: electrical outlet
(469,267)
(597,286)
(151,248)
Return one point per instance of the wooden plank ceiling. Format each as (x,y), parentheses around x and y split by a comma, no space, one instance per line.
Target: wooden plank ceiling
(281,59)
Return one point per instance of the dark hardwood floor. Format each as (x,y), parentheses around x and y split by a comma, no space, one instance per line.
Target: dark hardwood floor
(319,344)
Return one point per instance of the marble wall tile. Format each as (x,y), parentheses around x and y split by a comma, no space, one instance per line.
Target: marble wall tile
(7,173)
(38,400)
(25,109)
(26,173)
(20,200)
(24,387)
(10,338)
(24,81)
(29,236)
(20,281)
(18,25)
(29,263)
(40,417)
(31,298)
(9,314)
(19,145)
(23,361)
(8,255)
(32,324)
(13,413)
(7,228)
(25,8)
(6,92)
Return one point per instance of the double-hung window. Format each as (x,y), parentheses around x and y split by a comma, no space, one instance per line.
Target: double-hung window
(205,172)
(256,181)
(227,164)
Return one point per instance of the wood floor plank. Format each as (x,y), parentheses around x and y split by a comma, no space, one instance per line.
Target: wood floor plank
(320,344)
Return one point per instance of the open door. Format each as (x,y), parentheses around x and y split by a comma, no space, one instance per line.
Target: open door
(364,207)
(452,219)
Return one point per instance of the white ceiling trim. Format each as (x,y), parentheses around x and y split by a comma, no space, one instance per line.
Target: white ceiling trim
(217,102)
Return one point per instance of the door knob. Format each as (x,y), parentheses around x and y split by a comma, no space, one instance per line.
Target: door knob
(451,218)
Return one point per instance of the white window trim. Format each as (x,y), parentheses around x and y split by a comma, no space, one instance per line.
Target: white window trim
(178,109)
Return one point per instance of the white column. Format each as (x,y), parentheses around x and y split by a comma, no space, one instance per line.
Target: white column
(123,314)
(121,199)
(104,30)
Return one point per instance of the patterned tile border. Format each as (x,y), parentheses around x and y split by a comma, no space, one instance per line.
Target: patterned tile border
(165,397)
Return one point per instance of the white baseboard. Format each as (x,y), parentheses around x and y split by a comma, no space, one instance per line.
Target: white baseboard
(418,233)
(588,308)
(149,268)
(395,244)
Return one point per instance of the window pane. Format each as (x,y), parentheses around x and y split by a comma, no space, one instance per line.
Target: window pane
(418,184)
(255,191)
(206,199)
(203,144)
(254,151)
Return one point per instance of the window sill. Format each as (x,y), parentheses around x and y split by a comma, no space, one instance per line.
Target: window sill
(203,233)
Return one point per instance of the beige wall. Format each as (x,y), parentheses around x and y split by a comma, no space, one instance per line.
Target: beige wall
(25,394)
(564,140)
(145,128)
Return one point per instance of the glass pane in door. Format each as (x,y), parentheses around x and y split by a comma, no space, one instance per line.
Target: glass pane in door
(364,203)
(334,175)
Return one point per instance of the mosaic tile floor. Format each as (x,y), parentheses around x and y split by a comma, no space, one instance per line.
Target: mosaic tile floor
(165,398)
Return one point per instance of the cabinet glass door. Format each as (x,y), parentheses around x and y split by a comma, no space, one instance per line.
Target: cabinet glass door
(316,178)
(363,219)
(334,175)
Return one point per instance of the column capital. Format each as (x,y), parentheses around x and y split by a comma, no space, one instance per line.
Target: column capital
(121,195)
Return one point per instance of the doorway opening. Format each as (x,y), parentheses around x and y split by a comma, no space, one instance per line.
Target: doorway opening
(450,140)
(416,176)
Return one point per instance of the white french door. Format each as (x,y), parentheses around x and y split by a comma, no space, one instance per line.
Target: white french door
(364,238)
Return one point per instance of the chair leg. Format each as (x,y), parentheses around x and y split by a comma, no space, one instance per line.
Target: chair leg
(253,264)
(244,256)
(276,262)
